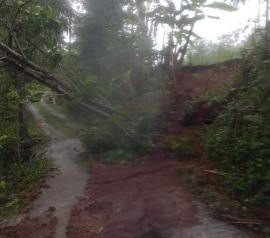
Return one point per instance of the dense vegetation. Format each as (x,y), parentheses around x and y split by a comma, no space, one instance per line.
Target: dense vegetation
(39,41)
(239,138)
(203,52)
(128,82)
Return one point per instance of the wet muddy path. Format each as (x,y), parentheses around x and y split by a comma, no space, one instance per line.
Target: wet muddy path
(143,200)
(69,180)
(49,214)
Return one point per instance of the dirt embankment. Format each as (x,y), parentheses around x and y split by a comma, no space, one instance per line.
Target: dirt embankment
(194,81)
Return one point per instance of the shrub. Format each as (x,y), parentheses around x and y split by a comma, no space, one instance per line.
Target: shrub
(239,140)
(113,143)
(14,185)
(181,145)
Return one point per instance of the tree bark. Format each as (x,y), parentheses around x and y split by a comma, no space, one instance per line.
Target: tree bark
(266,50)
(184,50)
(23,133)
(44,77)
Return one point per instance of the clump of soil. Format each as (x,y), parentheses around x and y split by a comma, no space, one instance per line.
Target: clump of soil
(41,227)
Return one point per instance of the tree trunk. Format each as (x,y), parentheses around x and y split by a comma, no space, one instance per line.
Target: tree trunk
(142,17)
(43,76)
(23,133)
(69,31)
(266,50)
(185,47)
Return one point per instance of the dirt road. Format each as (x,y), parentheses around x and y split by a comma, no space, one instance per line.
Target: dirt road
(143,200)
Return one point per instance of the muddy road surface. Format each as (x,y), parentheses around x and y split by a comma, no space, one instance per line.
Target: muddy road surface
(143,200)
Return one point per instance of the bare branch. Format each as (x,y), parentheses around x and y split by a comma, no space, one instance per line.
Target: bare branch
(54,86)
(39,49)
(12,32)
(33,70)
(24,61)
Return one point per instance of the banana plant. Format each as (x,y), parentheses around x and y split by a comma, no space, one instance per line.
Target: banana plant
(181,22)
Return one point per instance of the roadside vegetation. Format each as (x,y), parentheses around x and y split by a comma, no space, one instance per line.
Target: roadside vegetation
(20,180)
(203,52)
(239,137)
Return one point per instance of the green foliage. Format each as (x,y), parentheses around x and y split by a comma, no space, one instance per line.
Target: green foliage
(38,27)
(33,29)
(16,176)
(203,52)
(9,101)
(15,184)
(221,6)
(37,135)
(121,68)
(56,122)
(100,139)
(128,134)
(212,97)
(105,45)
(114,144)
(207,99)
(91,84)
(181,145)
(239,139)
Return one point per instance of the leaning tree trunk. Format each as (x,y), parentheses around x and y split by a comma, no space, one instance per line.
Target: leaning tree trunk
(23,133)
(185,47)
(43,76)
(266,50)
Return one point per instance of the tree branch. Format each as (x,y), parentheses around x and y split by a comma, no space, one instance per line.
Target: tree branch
(24,61)
(16,41)
(55,87)
(50,81)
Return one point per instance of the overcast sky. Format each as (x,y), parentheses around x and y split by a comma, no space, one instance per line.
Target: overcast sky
(244,17)
(211,29)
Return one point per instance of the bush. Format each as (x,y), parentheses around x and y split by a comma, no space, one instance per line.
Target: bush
(100,139)
(114,143)
(181,145)
(20,178)
(239,140)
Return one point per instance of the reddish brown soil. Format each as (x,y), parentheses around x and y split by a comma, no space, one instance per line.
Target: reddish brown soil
(134,199)
(42,227)
(146,199)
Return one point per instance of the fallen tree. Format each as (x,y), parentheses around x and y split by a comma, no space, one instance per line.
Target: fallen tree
(43,76)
